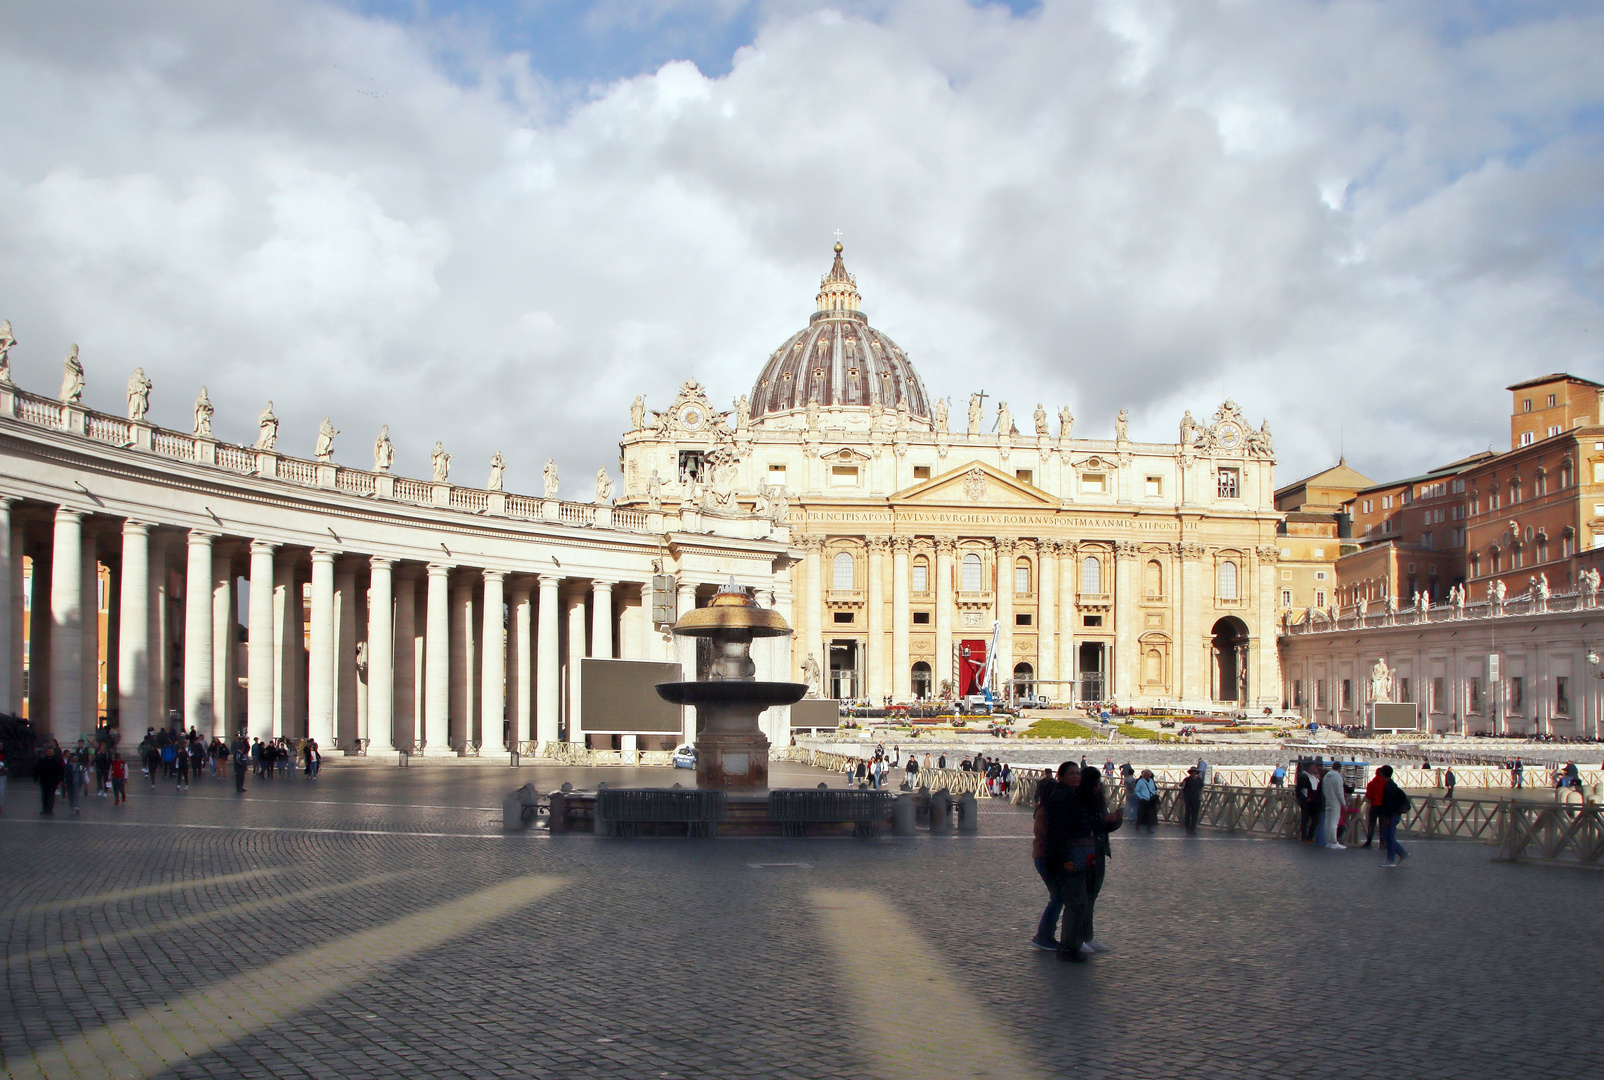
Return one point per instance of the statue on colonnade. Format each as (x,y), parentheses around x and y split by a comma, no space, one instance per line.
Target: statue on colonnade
(383,451)
(266,429)
(637,413)
(1041,420)
(6,342)
(139,387)
(941,415)
(324,451)
(72,378)
(203,416)
(498,472)
(604,487)
(440,462)
(548,477)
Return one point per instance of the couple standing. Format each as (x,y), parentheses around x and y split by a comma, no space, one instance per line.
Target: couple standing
(1070,848)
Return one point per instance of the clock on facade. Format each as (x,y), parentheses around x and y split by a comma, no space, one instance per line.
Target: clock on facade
(692,417)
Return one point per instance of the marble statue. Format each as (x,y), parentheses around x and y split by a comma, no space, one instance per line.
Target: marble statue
(1361,610)
(1590,583)
(72,378)
(654,491)
(203,416)
(440,462)
(1264,438)
(267,429)
(548,479)
(139,387)
(1066,422)
(812,414)
(383,451)
(1392,610)
(1380,681)
(810,675)
(324,450)
(1005,419)
(743,413)
(974,414)
(779,508)
(498,472)
(1499,593)
(1122,424)
(604,487)
(1541,590)
(761,503)
(1041,421)
(941,416)
(637,413)
(877,412)
(6,342)
(1188,429)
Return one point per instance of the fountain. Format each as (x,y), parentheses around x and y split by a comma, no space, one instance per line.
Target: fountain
(732,752)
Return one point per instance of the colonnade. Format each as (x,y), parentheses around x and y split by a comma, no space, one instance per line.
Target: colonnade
(338,645)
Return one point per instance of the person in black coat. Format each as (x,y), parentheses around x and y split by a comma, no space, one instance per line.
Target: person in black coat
(49,771)
(1094,799)
(1308,796)
(1191,798)
(1069,848)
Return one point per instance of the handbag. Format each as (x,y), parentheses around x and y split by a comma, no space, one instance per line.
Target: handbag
(1081,856)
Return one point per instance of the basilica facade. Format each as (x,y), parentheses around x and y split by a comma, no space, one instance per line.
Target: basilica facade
(929,540)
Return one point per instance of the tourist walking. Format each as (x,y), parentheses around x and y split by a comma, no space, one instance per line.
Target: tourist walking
(242,762)
(119,780)
(3,771)
(1334,798)
(74,780)
(181,769)
(1278,776)
(1191,799)
(1146,791)
(1093,798)
(1394,805)
(913,772)
(1045,938)
(1517,774)
(1070,850)
(1133,805)
(48,770)
(1373,790)
(1449,781)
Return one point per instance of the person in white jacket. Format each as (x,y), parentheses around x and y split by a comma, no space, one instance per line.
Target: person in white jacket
(1331,788)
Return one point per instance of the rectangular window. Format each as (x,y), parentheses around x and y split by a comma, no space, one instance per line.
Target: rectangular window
(1406,692)
(1319,575)
(921,577)
(1026,475)
(100,593)
(1526,438)
(844,476)
(1562,695)
(777,475)
(1155,486)
(921,618)
(1320,699)
(1286,597)
(921,472)
(1526,406)
(1553,430)
(1230,484)
(1091,620)
(843,617)
(1386,502)
(1551,400)
(1021,581)
(1347,695)
(1318,553)
(1370,506)
(1094,482)
(1473,694)
(1022,618)
(1517,693)
(1436,703)
(1320,598)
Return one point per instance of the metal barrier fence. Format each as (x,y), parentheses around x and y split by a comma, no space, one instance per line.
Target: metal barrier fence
(1562,835)
(957,781)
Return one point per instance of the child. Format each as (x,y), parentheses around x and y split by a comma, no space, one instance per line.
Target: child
(119,780)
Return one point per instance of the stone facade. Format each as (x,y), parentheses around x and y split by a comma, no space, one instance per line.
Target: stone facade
(1142,572)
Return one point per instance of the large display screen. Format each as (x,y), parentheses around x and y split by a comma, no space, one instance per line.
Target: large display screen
(620,697)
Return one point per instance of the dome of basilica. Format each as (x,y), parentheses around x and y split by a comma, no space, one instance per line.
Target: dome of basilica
(839,360)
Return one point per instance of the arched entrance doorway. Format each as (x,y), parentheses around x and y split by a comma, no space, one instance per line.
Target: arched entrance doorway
(921,681)
(1024,680)
(1230,655)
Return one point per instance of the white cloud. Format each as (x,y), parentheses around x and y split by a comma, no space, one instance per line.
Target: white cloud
(1359,225)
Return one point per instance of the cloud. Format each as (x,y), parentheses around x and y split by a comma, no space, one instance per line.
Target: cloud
(1361,220)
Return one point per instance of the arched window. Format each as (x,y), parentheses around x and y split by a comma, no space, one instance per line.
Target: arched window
(921,680)
(971,578)
(843,572)
(1565,474)
(1022,577)
(1153,667)
(1153,578)
(1228,580)
(921,574)
(1091,576)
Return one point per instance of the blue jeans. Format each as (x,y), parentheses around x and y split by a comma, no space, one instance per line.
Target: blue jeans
(1047,928)
(1320,826)
(1389,838)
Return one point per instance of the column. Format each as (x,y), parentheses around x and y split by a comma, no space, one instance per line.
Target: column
(66,627)
(520,656)
(685,652)
(17,536)
(945,548)
(133,638)
(261,677)
(548,696)
(39,622)
(601,619)
(493,660)
(437,660)
(320,652)
(879,682)
(1046,617)
(285,716)
(404,699)
(901,619)
(1067,615)
(812,611)
(346,722)
(461,674)
(575,604)
(1003,670)
(198,701)
(225,720)
(10,604)
(89,643)
(381,655)
(1192,651)
(1126,667)
(161,636)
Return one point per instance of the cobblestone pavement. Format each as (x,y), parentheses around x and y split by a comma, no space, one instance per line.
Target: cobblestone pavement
(376,923)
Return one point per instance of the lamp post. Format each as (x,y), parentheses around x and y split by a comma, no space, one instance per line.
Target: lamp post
(1593,661)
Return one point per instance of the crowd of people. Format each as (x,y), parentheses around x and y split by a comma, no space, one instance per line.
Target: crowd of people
(874,772)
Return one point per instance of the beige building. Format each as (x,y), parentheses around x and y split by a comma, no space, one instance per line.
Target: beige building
(1109,568)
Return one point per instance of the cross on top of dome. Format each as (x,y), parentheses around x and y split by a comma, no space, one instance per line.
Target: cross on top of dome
(838,290)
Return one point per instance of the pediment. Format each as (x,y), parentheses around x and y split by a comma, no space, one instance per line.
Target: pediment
(846,455)
(975,484)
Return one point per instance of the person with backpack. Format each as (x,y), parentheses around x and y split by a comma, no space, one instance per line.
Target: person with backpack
(181,768)
(1394,805)
(1373,791)
(1146,791)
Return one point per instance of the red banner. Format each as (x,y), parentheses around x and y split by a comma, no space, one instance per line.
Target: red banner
(971,665)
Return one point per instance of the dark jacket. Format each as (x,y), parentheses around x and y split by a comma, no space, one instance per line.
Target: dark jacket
(1067,822)
(1192,789)
(1394,801)
(49,770)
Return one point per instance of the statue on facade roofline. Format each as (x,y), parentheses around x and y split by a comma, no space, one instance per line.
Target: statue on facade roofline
(1005,419)
(974,414)
(324,451)
(604,487)
(139,386)
(1188,429)
(654,491)
(6,341)
(1121,426)
(637,413)
(941,416)
(1041,421)
(1066,422)
(72,378)
(266,428)
(743,413)
(498,470)
(383,451)
(440,462)
(203,416)
(548,477)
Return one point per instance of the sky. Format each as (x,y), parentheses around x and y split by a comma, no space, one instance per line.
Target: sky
(494,224)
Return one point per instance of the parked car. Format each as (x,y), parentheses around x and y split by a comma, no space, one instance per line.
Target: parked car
(685,756)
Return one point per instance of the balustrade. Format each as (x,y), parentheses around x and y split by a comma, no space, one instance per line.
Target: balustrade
(109,429)
(297,471)
(172,444)
(42,411)
(413,491)
(236,458)
(577,514)
(469,499)
(356,482)
(523,506)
